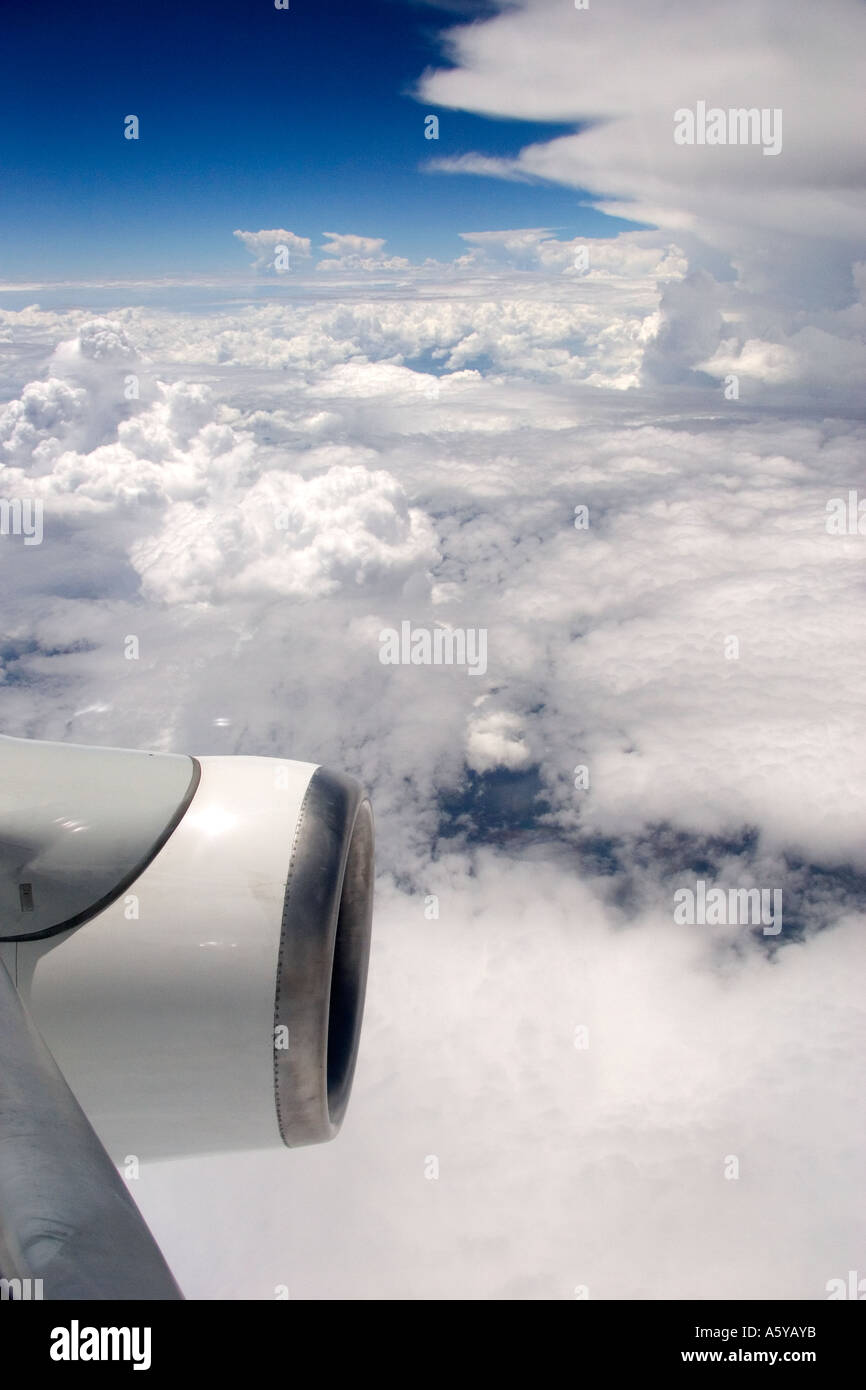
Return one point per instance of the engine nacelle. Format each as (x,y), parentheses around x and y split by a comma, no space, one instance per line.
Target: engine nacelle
(191,937)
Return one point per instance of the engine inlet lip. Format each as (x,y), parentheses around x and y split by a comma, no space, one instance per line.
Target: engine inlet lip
(323,958)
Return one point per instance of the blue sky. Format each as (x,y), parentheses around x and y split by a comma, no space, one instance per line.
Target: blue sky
(250,117)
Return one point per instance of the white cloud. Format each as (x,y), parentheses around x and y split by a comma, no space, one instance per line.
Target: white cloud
(424,455)
(31,425)
(495,740)
(97,341)
(486,166)
(349,252)
(559,1166)
(810,357)
(263,246)
(543,60)
(283,535)
(635,256)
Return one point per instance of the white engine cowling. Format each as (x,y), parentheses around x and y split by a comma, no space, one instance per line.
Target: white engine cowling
(191,937)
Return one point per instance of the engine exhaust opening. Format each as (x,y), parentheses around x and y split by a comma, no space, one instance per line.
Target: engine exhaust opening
(324,951)
(349,971)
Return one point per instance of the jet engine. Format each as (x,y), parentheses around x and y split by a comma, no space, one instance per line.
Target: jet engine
(191,937)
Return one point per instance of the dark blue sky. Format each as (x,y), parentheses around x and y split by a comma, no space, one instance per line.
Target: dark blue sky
(250,117)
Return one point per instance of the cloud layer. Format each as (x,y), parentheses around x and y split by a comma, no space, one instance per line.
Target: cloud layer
(292,480)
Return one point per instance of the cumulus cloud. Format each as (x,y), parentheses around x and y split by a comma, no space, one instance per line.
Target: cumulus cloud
(811,357)
(495,740)
(592,326)
(269,248)
(30,426)
(98,341)
(287,535)
(634,255)
(95,380)
(350,252)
